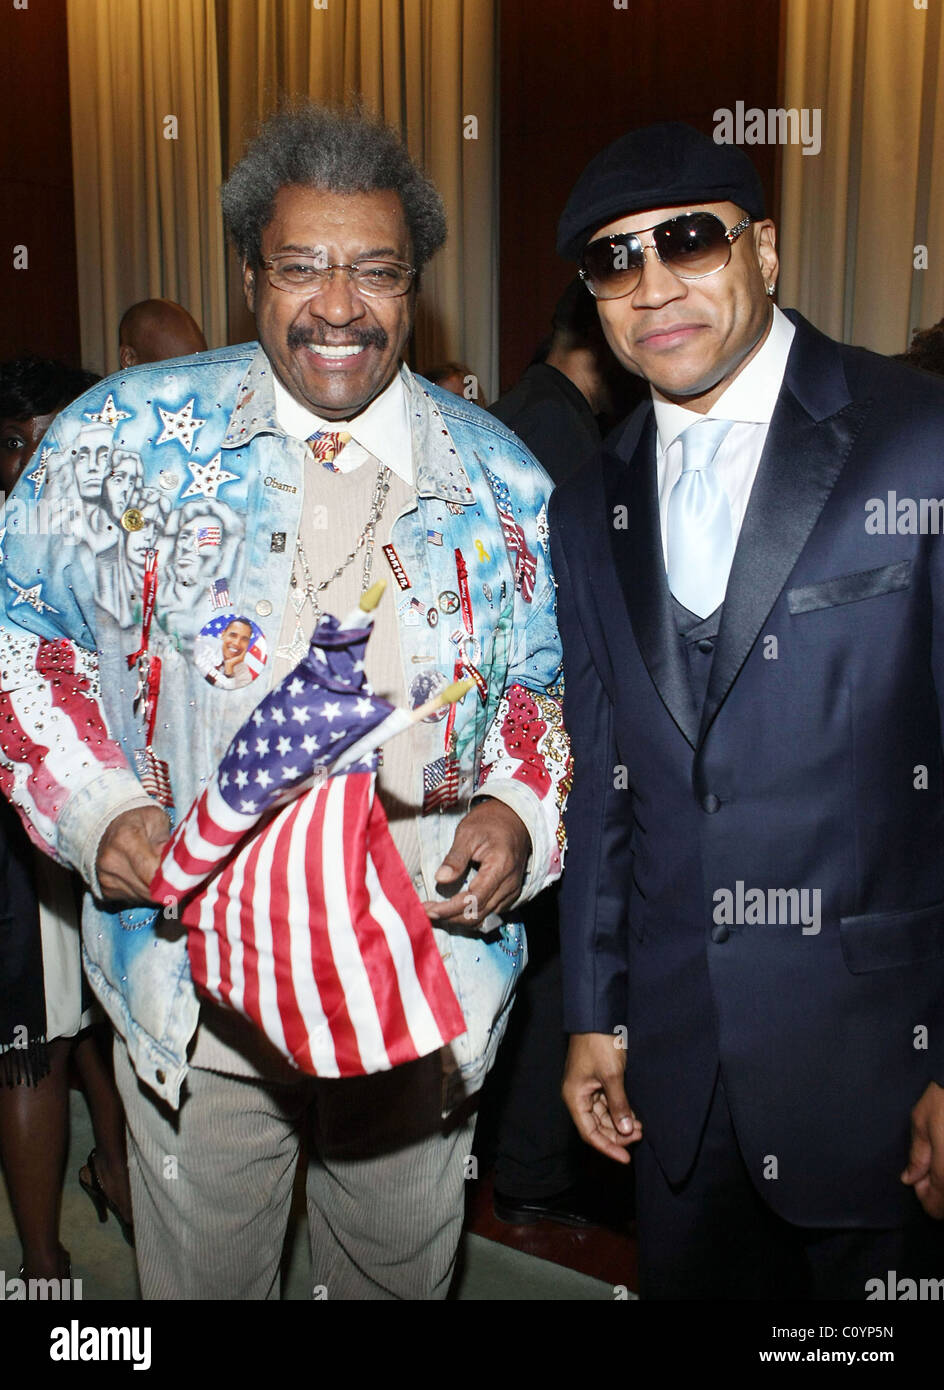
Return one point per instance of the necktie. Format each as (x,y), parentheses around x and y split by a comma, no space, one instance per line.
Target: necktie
(325,445)
(700,542)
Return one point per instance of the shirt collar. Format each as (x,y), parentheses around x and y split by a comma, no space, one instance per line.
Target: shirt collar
(438,468)
(254,411)
(752,395)
(383,429)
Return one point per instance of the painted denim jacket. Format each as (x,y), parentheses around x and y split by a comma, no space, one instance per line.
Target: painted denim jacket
(187,458)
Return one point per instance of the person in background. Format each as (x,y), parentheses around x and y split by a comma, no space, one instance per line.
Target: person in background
(42,1020)
(927,349)
(458,378)
(156,329)
(558,404)
(32,392)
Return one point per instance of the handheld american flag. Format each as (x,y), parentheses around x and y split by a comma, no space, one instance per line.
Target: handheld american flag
(300,912)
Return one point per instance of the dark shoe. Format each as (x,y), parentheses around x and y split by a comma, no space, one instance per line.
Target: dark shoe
(101,1200)
(567,1208)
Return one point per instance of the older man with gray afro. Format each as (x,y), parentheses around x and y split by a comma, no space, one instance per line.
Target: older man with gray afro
(340,151)
(295,470)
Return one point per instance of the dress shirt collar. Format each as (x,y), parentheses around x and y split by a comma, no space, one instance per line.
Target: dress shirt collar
(382,430)
(752,395)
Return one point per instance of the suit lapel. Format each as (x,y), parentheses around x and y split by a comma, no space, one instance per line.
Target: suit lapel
(637,555)
(812,432)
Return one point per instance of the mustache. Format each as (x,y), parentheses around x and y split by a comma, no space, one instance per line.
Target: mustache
(301,336)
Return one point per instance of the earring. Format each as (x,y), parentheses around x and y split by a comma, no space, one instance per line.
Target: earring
(771,291)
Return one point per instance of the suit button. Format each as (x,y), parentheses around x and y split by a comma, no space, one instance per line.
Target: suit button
(720,934)
(706,645)
(710,803)
(159,1077)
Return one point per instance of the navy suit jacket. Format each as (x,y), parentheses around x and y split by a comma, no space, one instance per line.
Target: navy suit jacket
(815,763)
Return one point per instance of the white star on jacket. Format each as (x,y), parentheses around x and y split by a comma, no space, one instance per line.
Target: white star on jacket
(108,415)
(38,475)
(179,425)
(30,596)
(208,478)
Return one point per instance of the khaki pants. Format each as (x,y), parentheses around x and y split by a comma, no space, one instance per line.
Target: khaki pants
(212,1183)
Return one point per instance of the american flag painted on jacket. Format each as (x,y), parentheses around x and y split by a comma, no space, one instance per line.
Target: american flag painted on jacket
(49,721)
(515,542)
(300,913)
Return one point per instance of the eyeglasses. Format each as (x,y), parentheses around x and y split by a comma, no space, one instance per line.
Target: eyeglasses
(691,246)
(308,275)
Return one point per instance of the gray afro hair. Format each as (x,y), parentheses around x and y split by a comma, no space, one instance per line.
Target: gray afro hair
(341,151)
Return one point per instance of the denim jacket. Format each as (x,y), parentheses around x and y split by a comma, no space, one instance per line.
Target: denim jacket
(188,458)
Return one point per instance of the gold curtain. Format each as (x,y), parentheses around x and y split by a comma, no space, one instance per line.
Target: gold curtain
(146,164)
(145,205)
(862,227)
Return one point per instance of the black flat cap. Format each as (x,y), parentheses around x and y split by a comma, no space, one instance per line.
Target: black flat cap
(658,166)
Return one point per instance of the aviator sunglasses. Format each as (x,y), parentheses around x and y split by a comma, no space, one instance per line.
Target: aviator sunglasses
(691,246)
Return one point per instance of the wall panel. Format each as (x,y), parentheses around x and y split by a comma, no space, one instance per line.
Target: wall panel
(575,76)
(40,302)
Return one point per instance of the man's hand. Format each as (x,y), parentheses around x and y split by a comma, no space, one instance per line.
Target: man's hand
(925,1171)
(129,853)
(594,1094)
(493,839)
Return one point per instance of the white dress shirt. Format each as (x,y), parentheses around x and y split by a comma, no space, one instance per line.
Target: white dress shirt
(381,432)
(749,401)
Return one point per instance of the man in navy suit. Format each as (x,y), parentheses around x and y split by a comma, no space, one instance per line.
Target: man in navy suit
(753,904)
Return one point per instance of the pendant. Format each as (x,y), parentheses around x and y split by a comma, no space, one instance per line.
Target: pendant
(297,648)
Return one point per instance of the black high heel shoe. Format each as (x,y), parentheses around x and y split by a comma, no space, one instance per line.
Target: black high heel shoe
(101,1200)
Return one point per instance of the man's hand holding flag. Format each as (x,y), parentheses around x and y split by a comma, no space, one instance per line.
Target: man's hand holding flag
(301,914)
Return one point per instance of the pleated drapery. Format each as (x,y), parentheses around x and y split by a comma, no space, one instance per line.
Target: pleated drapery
(143,83)
(147,212)
(862,223)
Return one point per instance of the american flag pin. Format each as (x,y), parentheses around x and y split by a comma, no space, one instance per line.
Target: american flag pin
(219,593)
(440,784)
(208,537)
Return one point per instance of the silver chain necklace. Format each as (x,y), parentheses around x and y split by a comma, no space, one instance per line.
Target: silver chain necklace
(308,590)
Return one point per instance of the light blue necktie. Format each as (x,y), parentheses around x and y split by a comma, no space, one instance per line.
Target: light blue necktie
(700,541)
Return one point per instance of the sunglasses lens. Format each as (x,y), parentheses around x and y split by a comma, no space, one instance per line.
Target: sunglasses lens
(612,266)
(690,246)
(693,245)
